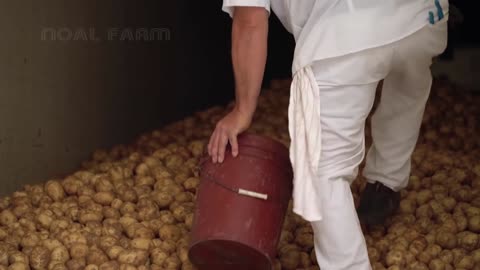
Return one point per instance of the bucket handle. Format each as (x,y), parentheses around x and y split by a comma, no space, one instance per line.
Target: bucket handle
(239,191)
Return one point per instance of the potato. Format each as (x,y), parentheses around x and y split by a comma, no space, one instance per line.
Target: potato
(108,241)
(397,229)
(3,256)
(3,234)
(128,195)
(395,257)
(424,196)
(126,221)
(169,232)
(407,206)
(424,211)
(373,254)
(401,242)
(172,262)
(290,259)
(167,217)
(114,251)
(437,207)
(158,256)
(76,264)
(168,246)
(424,224)
(377,266)
(142,191)
(40,257)
(86,216)
(54,190)
(192,183)
(182,253)
(180,212)
(96,256)
(141,243)
(446,240)
(446,256)
(71,185)
(111,265)
(134,257)
(30,240)
(7,218)
(461,221)
(79,250)
(145,181)
(436,264)
(19,266)
(91,267)
(305,260)
(382,245)
(189,220)
(476,256)
(60,254)
(417,266)
(45,219)
(465,262)
(51,244)
(467,240)
(418,245)
(305,240)
(142,169)
(409,257)
(434,249)
(472,211)
(463,194)
(474,224)
(286,237)
(104,198)
(162,199)
(424,257)
(458,253)
(128,207)
(18,257)
(184,197)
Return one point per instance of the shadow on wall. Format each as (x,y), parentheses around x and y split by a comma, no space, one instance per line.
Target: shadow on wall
(92,80)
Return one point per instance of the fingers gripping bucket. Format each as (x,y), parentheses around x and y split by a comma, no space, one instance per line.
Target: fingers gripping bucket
(240,207)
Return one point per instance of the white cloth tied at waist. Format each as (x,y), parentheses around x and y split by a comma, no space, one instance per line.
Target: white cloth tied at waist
(306,143)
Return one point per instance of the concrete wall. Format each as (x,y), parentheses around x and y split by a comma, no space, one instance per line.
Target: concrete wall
(61,99)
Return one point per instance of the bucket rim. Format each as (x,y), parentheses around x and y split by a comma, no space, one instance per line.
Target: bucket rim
(196,243)
(264,143)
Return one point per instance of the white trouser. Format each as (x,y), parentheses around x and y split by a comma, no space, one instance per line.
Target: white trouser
(347,91)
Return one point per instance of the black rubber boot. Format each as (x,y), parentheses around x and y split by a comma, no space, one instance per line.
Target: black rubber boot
(377,203)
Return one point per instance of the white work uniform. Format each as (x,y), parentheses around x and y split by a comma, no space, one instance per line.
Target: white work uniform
(343,49)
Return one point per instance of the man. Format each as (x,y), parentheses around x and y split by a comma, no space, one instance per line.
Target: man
(343,49)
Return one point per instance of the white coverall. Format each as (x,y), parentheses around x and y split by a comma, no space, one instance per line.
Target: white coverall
(343,49)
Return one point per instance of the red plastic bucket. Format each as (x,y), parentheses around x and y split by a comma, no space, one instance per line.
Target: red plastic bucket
(241,231)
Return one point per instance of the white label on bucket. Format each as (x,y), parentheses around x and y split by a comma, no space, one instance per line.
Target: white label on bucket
(252,194)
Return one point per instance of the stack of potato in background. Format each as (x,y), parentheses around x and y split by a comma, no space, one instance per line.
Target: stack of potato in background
(131,207)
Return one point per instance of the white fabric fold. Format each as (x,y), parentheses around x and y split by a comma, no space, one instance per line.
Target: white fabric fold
(306,144)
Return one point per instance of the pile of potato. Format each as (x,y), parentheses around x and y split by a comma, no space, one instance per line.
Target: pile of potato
(131,207)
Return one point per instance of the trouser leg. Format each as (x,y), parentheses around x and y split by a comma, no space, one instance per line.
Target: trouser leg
(339,241)
(397,120)
(347,87)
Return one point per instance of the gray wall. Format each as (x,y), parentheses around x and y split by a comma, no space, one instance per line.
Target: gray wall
(61,99)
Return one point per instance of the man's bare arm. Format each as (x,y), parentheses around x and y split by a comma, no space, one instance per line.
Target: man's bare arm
(249,53)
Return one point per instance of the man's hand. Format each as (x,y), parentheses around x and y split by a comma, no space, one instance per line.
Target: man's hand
(226,131)
(249,53)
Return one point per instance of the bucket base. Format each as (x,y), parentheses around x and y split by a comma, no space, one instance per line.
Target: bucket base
(225,254)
